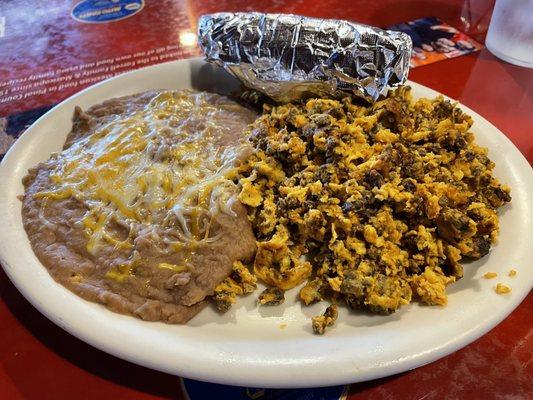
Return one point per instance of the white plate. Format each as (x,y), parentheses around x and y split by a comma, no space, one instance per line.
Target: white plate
(247,346)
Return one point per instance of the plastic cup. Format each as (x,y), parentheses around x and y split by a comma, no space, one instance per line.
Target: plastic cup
(510,35)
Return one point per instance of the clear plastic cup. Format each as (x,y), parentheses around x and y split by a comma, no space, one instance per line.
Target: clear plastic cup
(510,35)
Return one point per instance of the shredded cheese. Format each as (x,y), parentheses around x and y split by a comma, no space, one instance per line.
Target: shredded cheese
(173,267)
(149,167)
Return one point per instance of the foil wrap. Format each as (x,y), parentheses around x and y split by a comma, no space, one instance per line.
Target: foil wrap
(289,56)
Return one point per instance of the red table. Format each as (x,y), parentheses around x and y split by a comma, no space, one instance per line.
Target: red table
(39,360)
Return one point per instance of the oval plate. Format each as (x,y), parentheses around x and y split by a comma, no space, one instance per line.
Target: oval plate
(270,347)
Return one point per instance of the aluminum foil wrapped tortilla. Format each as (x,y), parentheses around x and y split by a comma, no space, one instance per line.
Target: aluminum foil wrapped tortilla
(289,56)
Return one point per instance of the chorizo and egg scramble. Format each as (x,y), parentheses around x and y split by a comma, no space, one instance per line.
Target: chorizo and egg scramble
(371,206)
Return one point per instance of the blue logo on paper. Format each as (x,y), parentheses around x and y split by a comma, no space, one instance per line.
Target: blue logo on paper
(196,390)
(101,11)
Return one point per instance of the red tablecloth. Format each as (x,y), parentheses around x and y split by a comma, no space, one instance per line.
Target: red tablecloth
(39,360)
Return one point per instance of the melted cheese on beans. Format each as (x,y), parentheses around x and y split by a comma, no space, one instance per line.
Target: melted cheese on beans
(160,165)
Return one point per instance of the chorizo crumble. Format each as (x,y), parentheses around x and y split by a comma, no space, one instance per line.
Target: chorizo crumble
(271,296)
(372,206)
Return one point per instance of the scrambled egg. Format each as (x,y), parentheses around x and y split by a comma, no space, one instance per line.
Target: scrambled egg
(271,296)
(502,289)
(240,282)
(371,205)
(321,322)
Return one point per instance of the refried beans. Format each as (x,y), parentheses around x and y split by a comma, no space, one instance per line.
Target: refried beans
(139,211)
